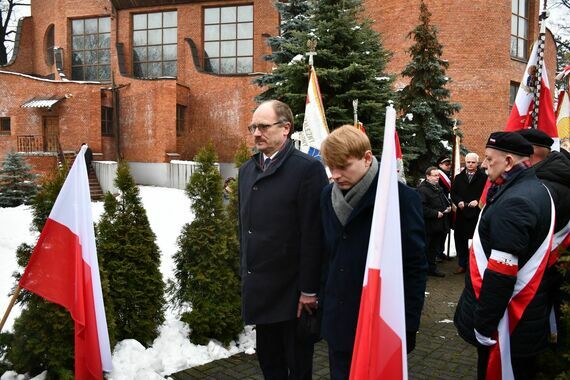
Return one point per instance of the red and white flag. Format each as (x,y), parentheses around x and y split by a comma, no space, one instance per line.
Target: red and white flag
(63,269)
(399,159)
(315,129)
(380,344)
(521,114)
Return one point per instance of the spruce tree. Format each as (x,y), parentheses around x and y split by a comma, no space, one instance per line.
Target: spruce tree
(350,64)
(131,259)
(17,183)
(206,260)
(426,100)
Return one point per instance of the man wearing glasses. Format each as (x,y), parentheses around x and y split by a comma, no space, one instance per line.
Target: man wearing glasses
(280,242)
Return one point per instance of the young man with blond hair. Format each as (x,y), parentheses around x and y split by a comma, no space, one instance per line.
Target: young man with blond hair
(347,206)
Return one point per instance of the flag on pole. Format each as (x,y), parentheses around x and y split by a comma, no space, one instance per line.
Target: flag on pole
(315,128)
(63,269)
(380,344)
(456,158)
(565,72)
(563,120)
(521,114)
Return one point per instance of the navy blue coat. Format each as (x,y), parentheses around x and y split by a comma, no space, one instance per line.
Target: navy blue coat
(515,221)
(280,234)
(346,249)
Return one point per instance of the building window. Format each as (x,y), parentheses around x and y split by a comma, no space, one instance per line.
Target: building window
(49,44)
(519,29)
(180,119)
(107,121)
(155,38)
(91,49)
(514,88)
(228,39)
(5,126)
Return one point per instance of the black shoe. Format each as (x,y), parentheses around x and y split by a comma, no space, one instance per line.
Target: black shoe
(436,273)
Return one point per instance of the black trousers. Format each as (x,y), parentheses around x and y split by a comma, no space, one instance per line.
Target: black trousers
(462,248)
(339,364)
(434,241)
(523,368)
(281,355)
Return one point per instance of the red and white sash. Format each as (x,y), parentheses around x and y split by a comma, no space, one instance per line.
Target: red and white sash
(561,240)
(526,286)
(445,179)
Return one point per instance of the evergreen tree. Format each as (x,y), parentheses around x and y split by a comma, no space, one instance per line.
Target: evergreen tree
(350,63)
(44,332)
(131,260)
(206,261)
(426,99)
(17,183)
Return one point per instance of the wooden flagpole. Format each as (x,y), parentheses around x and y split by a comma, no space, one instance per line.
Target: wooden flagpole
(9,308)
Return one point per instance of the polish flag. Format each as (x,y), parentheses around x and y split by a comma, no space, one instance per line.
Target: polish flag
(380,344)
(63,269)
(521,114)
(315,128)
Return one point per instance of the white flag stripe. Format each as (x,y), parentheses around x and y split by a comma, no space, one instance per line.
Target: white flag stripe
(315,128)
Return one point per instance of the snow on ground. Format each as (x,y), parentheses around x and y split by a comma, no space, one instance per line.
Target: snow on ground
(168,210)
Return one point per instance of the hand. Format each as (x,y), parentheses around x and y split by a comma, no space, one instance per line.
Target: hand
(461,205)
(439,215)
(447,210)
(484,340)
(309,303)
(474,203)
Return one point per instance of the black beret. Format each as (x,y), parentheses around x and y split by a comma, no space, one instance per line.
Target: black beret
(536,137)
(510,142)
(442,159)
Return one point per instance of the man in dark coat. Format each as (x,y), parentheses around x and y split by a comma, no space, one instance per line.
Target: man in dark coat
(347,208)
(444,171)
(435,209)
(505,289)
(465,194)
(280,242)
(88,157)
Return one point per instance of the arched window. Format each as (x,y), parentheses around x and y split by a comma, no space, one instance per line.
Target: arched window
(49,44)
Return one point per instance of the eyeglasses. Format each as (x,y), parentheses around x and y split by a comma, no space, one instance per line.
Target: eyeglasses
(263,127)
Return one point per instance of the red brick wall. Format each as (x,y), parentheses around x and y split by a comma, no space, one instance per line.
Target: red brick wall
(476,40)
(23,61)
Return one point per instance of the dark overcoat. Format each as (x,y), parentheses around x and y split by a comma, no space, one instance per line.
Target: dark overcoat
(515,221)
(346,249)
(433,201)
(280,234)
(465,191)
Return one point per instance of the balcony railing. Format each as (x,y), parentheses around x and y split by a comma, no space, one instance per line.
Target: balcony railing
(37,143)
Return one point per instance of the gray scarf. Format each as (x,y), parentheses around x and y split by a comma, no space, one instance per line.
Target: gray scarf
(344,204)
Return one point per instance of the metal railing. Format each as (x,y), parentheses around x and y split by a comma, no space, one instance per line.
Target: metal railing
(37,143)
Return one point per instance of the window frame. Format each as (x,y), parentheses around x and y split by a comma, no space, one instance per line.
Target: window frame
(49,45)
(247,41)
(513,90)
(107,121)
(516,35)
(144,73)
(98,52)
(180,119)
(4,120)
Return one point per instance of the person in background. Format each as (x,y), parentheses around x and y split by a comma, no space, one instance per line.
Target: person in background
(465,194)
(436,206)
(280,242)
(445,178)
(347,207)
(88,157)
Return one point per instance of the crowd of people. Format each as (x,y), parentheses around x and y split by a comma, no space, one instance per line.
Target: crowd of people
(304,240)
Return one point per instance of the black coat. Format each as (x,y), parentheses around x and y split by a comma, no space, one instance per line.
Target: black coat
(280,234)
(465,191)
(346,251)
(554,172)
(433,201)
(516,221)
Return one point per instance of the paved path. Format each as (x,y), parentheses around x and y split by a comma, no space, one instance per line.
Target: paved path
(440,353)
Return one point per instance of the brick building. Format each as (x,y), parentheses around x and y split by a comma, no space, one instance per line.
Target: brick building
(154,80)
